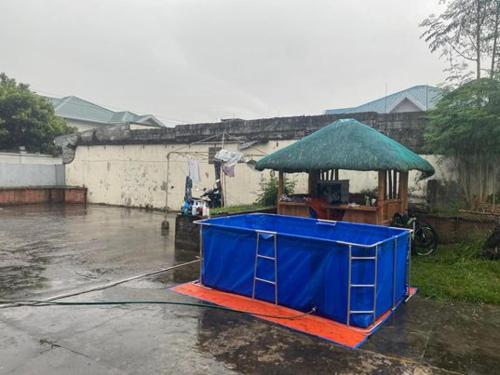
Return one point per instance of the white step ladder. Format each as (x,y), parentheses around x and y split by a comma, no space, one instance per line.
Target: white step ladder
(274,259)
(350,285)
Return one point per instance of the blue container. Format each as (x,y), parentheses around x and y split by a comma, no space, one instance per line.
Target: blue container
(351,273)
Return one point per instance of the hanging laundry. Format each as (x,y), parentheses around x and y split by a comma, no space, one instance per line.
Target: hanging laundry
(229,159)
(228,170)
(194,170)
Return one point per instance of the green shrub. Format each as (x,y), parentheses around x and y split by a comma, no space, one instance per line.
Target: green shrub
(269,191)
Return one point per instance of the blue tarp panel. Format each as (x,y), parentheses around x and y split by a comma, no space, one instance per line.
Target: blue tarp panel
(312,267)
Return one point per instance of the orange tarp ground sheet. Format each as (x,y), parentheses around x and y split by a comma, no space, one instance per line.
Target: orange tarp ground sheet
(342,334)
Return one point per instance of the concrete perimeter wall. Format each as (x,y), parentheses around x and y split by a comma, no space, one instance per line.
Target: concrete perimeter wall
(27,158)
(20,175)
(129,167)
(24,169)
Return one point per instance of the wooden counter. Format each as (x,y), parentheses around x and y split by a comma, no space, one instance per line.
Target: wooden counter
(346,207)
(293,209)
(356,214)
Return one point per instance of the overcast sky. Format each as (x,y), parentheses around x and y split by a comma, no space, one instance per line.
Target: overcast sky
(202,60)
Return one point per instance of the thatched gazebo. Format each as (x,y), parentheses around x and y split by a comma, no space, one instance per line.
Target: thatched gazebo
(346,145)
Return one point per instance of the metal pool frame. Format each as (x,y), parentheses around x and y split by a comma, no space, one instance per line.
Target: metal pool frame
(351,258)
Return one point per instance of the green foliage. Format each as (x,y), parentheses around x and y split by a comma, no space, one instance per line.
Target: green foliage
(269,191)
(372,193)
(456,272)
(27,119)
(467,120)
(450,209)
(465,125)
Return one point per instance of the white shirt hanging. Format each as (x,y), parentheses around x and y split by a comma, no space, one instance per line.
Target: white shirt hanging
(194,170)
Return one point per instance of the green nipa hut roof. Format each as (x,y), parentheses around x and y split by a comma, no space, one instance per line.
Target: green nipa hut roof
(345,144)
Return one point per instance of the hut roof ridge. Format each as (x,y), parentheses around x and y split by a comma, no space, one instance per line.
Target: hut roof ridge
(345,144)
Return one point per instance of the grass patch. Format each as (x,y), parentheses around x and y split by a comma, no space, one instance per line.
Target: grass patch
(239,208)
(456,272)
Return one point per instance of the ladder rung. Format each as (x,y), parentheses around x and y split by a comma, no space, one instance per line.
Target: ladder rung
(265,281)
(265,257)
(358,258)
(363,285)
(361,312)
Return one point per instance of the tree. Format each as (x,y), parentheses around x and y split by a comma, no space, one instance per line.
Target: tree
(27,119)
(495,36)
(465,125)
(466,32)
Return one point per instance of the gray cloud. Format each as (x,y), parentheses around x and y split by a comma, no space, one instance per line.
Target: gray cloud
(208,59)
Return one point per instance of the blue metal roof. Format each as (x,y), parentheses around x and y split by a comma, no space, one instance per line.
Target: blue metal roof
(423,97)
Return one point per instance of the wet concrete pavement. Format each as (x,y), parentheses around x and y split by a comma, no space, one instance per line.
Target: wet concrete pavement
(47,250)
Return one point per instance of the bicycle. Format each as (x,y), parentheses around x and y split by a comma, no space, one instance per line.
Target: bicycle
(424,237)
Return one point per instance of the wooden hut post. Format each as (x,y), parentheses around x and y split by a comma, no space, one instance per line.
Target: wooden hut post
(281,189)
(381,196)
(403,190)
(313,182)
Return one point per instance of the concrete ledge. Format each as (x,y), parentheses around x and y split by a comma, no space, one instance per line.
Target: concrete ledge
(451,229)
(187,234)
(42,194)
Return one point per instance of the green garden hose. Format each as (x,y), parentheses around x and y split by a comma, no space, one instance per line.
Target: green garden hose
(41,303)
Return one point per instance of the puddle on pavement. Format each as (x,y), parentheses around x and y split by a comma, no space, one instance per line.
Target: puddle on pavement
(49,248)
(183,274)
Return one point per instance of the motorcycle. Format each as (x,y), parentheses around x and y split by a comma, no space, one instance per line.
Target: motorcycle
(212,196)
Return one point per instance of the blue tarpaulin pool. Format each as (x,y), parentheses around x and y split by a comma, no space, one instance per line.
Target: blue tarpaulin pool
(351,273)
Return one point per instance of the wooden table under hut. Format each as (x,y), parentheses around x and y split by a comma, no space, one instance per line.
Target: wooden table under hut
(346,145)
